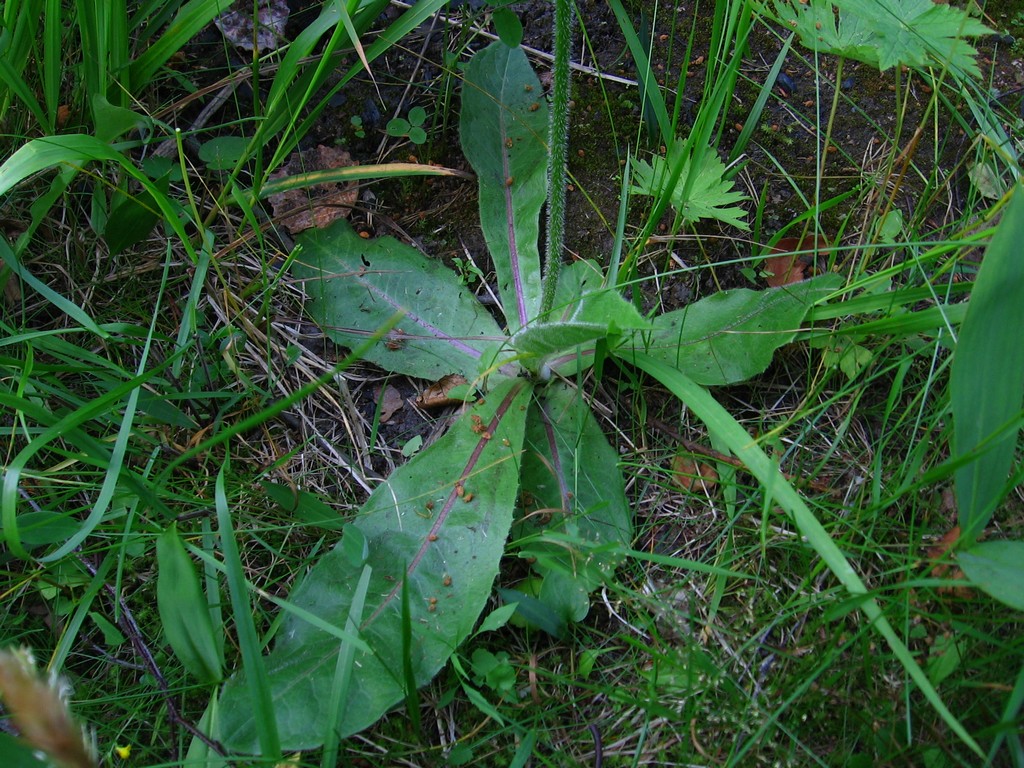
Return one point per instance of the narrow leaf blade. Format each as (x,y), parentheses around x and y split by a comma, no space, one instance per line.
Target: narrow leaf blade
(987,380)
(503,130)
(732,435)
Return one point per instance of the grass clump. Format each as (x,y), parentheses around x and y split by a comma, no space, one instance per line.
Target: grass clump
(168,408)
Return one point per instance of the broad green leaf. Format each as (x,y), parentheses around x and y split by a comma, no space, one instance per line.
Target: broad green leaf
(710,195)
(730,336)
(508,26)
(45,526)
(575,513)
(987,380)
(532,612)
(307,507)
(581,296)
(199,754)
(355,285)
(17,753)
(39,154)
(439,524)
(133,219)
(222,152)
(184,610)
(504,128)
(998,568)
(112,121)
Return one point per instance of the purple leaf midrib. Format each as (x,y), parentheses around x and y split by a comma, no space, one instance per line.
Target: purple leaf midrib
(513,245)
(453,495)
(437,333)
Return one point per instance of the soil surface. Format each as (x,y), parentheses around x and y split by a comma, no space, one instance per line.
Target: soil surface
(440,215)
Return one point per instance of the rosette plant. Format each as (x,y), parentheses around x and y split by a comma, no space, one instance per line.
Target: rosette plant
(382,613)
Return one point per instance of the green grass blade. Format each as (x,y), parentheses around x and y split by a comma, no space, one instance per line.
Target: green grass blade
(117,456)
(53,65)
(648,80)
(729,431)
(66,428)
(72,151)
(248,641)
(344,668)
(17,86)
(987,380)
(70,634)
(65,305)
(753,119)
(187,24)
(1011,715)
(412,697)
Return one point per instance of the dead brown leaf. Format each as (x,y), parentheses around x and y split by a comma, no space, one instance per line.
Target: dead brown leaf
(390,402)
(265,34)
(436,395)
(788,267)
(948,570)
(693,476)
(320,204)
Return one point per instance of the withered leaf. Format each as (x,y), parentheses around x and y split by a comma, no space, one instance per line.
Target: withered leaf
(320,204)
(436,395)
(390,401)
(790,266)
(691,475)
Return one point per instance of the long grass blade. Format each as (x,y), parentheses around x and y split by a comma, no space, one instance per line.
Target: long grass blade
(729,431)
(248,641)
(346,662)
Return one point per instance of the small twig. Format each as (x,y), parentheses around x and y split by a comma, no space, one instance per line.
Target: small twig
(598,750)
(129,626)
(535,52)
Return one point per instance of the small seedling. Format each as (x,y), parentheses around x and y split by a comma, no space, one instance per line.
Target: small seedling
(411,127)
(357,126)
(468,272)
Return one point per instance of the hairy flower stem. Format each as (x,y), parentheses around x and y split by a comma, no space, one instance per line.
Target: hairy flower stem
(558,142)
